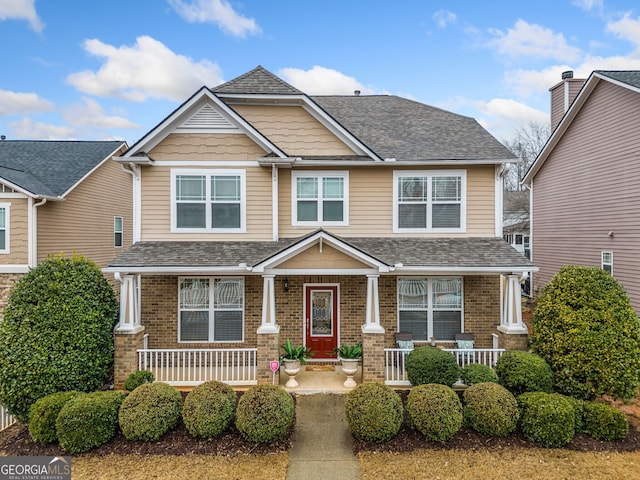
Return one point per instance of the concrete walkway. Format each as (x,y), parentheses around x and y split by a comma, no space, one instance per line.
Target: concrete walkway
(322,441)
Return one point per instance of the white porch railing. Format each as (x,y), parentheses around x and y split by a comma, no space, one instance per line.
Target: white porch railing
(6,420)
(396,374)
(237,366)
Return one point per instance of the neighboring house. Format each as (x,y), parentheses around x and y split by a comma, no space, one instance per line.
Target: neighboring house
(515,220)
(266,214)
(61,196)
(584,181)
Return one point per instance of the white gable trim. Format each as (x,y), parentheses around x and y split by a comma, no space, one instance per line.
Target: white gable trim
(102,162)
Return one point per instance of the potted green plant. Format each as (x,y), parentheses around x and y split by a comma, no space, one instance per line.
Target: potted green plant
(292,357)
(349,356)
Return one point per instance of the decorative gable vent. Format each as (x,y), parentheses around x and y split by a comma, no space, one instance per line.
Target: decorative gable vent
(207,119)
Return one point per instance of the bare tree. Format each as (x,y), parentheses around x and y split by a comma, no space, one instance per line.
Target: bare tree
(526,144)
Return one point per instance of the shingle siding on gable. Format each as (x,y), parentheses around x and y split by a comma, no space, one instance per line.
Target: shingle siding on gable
(588,187)
(206,146)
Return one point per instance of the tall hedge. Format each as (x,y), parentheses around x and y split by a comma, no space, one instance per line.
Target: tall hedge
(57,332)
(585,328)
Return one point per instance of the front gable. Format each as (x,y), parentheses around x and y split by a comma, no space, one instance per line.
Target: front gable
(322,256)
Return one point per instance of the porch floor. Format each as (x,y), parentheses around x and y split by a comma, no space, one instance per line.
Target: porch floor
(312,382)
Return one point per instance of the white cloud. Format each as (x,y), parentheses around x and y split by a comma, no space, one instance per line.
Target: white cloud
(505,110)
(444,17)
(91,114)
(27,128)
(15,103)
(218,12)
(21,10)
(588,5)
(626,28)
(146,70)
(531,40)
(323,81)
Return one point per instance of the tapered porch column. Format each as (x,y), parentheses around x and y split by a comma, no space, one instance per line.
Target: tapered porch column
(268,333)
(268,306)
(372,319)
(511,321)
(129,311)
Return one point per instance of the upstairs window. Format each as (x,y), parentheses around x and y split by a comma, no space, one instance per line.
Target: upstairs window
(607,262)
(118,240)
(429,201)
(212,201)
(4,227)
(320,198)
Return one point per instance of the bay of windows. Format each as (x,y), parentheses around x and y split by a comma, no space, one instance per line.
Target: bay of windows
(320,198)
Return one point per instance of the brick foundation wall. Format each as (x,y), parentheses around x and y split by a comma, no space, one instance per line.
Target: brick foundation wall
(513,342)
(7,281)
(268,350)
(126,355)
(373,357)
(482,308)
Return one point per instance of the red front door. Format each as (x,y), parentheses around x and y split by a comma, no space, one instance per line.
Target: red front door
(321,320)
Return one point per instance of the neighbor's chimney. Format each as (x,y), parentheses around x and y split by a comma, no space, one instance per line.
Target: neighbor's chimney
(356,93)
(562,96)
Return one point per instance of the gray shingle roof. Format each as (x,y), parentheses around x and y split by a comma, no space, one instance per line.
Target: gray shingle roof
(257,81)
(50,168)
(424,252)
(630,77)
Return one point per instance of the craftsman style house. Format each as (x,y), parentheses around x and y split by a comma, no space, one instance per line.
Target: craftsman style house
(584,206)
(265,214)
(61,196)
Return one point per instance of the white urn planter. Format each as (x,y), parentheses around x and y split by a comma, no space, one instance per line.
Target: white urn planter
(349,368)
(291,368)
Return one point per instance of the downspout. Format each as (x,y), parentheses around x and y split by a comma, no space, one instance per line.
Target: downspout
(134,171)
(501,171)
(33,231)
(274,201)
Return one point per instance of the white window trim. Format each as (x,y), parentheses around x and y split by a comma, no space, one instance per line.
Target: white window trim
(320,174)
(211,311)
(603,263)
(430,307)
(209,173)
(7,229)
(430,174)
(115,231)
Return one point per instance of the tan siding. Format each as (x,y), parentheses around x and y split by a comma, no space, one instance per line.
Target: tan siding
(18,232)
(329,257)
(208,146)
(589,187)
(83,223)
(156,207)
(293,130)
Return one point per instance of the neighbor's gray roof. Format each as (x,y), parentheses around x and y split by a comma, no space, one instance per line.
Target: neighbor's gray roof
(50,168)
(257,81)
(630,77)
(421,252)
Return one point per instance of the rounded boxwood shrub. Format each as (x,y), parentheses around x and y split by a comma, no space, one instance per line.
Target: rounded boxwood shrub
(432,365)
(521,372)
(88,420)
(491,409)
(585,328)
(478,373)
(138,378)
(209,409)
(435,411)
(578,409)
(57,333)
(547,420)
(265,413)
(43,415)
(150,411)
(374,412)
(604,422)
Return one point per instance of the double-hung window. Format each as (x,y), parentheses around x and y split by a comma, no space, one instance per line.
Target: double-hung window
(208,201)
(430,307)
(4,227)
(211,310)
(607,262)
(320,198)
(118,232)
(429,201)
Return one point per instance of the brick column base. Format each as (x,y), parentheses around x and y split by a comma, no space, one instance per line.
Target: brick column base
(373,357)
(268,350)
(518,341)
(125,360)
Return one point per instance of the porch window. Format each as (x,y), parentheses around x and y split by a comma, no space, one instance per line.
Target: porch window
(211,310)
(429,201)
(607,262)
(212,201)
(430,307)
(320,198)
(4,227)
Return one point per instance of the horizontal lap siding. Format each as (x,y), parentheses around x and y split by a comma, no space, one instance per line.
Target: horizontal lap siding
(18,232)
(588,187)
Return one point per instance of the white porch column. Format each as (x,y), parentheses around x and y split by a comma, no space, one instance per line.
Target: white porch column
(268,306)
(372,319)
(511,321)
(129,311)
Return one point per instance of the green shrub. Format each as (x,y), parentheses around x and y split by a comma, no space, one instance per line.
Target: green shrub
(374,412)
(435,411)
(88,420)
(138,378)
(585,328)
(578,409)
(209,409)
(521,372)
(478,373)
(604,422)
(43,415)
(546,419)
(150,411)
(57,333)
(491,409)
(265,413)
(432,365)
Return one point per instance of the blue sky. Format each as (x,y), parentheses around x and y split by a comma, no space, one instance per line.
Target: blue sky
(93,70)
